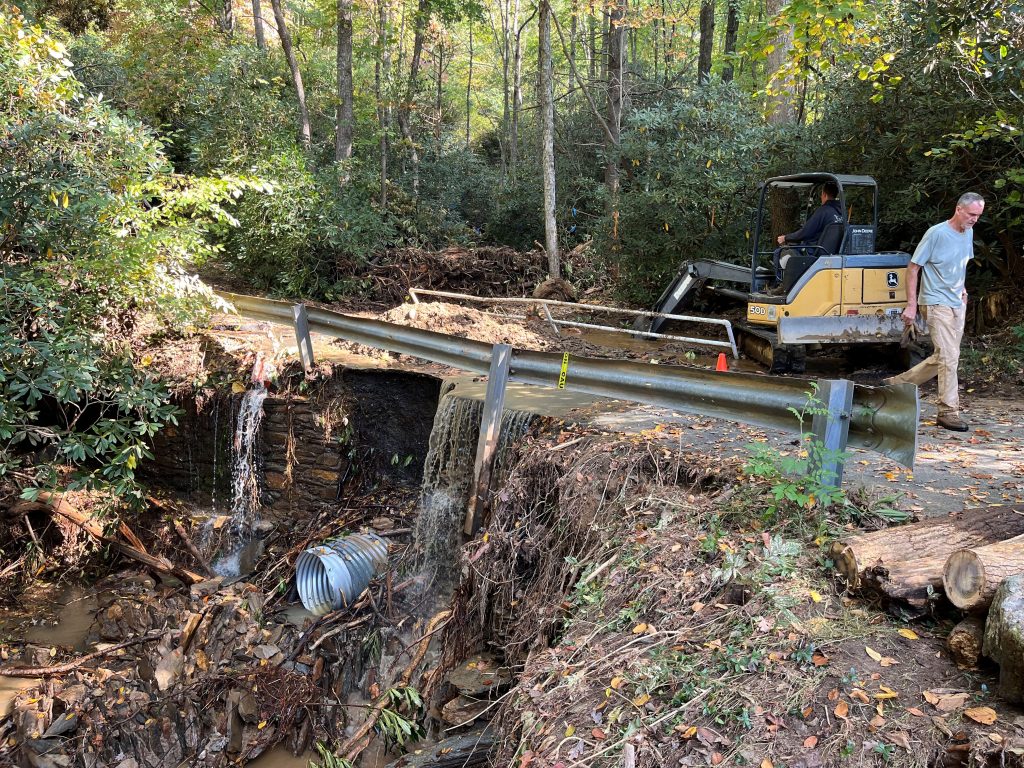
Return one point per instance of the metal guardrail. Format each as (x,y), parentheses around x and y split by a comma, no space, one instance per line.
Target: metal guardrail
(545,304)
(880,419)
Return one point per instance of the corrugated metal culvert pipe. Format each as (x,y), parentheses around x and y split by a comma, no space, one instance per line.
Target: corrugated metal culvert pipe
(331,575)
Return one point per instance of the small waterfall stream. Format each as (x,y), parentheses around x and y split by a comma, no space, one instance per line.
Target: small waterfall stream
(447,485)
(245,485)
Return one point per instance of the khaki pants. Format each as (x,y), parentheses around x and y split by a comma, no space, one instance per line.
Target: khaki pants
(946,326)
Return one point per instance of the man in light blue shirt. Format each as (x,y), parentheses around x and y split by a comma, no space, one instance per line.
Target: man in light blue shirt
(939,265)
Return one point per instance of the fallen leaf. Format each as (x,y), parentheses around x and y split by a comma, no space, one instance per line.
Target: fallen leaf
(687,732)
(842,710)
(819,659)
(815,596)
(877,721)
(598,734)
(930,697)
(900,739)
(983,715)
(766,763)
(810,742)
(833,694)
(716,758)
(916,712)
(909,634)
(642,699)
(639,629)
(951,703)
(616,682)
(570,730)
(873,653)
(860,696)
(886,693)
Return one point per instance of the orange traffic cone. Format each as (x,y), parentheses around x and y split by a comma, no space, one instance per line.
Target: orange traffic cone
(722,364)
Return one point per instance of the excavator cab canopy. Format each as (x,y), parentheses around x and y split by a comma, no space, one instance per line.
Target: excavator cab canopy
(858,197)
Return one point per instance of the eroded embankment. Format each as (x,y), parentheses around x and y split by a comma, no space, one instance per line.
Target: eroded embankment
(662,609)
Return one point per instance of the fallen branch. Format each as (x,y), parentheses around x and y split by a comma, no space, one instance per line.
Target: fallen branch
(359,740)
(62,669)
(192,548)
(61,506)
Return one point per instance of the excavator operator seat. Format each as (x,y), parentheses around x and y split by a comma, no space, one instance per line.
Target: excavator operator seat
(829,243)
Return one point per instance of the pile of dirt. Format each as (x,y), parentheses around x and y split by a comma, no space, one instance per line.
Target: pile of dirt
(469,323)
(662,617)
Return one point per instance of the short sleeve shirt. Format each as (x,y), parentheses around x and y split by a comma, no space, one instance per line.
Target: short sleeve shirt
(943,254)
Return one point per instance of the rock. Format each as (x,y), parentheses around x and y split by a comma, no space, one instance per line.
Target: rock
(1004,637)
(265,651)
(463,710)
(72,694)
(63,724)
(168,669)
(208,587)
(480,677)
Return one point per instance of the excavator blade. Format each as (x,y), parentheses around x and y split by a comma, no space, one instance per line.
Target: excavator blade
(848,329)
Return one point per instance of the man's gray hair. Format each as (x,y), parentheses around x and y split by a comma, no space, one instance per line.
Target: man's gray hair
(969,198)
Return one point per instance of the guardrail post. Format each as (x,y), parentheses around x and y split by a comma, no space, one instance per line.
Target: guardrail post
(832,429)
(490,432)
(301,321)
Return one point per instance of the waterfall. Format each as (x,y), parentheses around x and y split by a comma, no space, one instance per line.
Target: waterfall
(245,487)
(245,483)
(448,481)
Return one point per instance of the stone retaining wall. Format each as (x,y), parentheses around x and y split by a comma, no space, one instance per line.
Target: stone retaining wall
(353,431)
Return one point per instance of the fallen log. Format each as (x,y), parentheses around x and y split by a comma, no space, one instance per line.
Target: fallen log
(928,539)
(913,582)
(965,641)
(971,576)
(1004,637)
(61,506)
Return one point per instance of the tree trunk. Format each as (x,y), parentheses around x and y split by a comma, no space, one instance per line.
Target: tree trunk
(780,104)
(346,121)
(305,133)
(707,41)
(1004,638)
(965,641)
(257,25)
(438,99)
(227,17)
(616,51)
(732,28)
(412,86)
(469,85)
(971,576)
(381,77)
(936,538)
(517,96)
(547,117)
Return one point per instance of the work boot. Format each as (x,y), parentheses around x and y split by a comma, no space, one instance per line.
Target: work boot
(952,422)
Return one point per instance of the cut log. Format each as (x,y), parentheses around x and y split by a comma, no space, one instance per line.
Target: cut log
(912,582)
(965,641)
(1004,637)
(931,538)
(971,576)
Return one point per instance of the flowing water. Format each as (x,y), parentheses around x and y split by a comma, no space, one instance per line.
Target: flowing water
(238,550)
(447,484)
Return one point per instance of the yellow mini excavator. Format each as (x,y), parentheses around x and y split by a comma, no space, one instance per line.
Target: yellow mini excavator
(839,290)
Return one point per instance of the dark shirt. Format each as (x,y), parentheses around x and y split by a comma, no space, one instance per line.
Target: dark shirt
(829,213)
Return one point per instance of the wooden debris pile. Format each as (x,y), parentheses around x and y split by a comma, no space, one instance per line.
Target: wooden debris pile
(481,271)
(974,560)
(200,678)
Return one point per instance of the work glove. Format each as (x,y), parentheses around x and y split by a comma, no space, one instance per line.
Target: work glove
(911,331)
